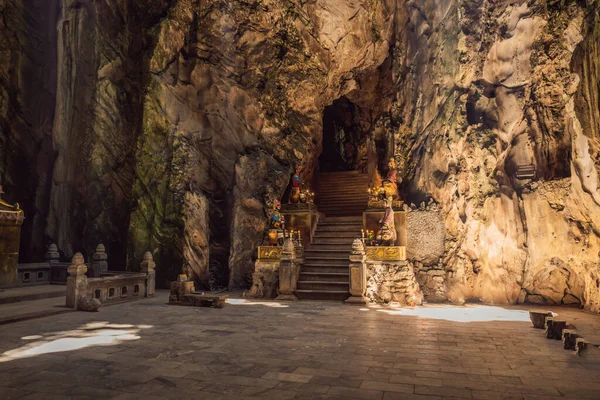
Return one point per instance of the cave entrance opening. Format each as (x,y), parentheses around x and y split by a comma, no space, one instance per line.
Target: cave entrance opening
(343,138)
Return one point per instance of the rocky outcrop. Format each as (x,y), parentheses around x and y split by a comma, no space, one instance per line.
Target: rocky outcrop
(171,124)
(487,90)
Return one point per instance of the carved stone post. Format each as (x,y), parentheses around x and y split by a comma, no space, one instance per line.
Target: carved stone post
(52,255)
(99,263)
(288,272)
(148,266)
(358,273)
(77,281)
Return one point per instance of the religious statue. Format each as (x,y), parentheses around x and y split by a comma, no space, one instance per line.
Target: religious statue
(297,184)
(277,226)
(386,236)
(390,183)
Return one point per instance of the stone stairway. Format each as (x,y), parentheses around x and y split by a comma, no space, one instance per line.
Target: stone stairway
(342,197)
(324,275)
(342,193)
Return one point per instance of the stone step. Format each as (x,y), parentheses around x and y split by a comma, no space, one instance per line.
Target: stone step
(325,269)
(351,227)
(348,185)
(319,235)
(342,206)
(343,181)
(348,182)
(326,255)
(31,293)
(343,219)
(339,295)
(325,276)
(323,286)
(335,200)
(334,240)
(327,262)
(344,213)
(346,247)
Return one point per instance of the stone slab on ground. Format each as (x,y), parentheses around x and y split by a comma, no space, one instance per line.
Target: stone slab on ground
(27,293)
(258,349)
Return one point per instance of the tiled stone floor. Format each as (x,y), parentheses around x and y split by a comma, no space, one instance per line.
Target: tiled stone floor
(307,350)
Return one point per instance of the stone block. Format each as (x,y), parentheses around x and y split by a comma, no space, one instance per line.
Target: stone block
(538,319)
(569,337)
(554,328)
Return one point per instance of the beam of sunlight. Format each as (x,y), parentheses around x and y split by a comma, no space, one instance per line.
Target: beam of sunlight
(467,313)
(91,334)
(244,302)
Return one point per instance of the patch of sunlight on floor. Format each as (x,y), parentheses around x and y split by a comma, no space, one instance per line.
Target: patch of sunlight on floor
(468,313)
(91,334)
(244,302)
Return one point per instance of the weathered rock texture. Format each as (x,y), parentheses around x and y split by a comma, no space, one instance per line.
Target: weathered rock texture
(169,125)
(265,280)
(487,87)
(392,282)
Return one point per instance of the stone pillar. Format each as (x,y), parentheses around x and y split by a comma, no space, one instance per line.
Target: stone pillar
(52,256)
(77,281)
(99,263)
(288,272)
(358,273)
(148,266)
(11,219)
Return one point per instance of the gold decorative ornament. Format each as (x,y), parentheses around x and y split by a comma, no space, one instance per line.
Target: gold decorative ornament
(269,252)
(385,253)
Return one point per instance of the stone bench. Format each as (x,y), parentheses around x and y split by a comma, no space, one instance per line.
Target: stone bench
(207,299)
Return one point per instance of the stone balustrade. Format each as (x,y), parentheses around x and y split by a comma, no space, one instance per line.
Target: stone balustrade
(109,287)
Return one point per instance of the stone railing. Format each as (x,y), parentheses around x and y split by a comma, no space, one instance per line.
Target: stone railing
(49,271)
(110,287)
(52,270)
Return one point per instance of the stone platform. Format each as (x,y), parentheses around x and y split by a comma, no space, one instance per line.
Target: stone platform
(28,293)
(23,303)
(257,349)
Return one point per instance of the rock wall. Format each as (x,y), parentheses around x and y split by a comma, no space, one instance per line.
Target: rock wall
(175,122)
(486,88)
(169,125)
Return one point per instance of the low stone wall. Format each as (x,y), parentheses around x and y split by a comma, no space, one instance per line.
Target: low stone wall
(88,294)
(432,280)
(392,282)
(426,240)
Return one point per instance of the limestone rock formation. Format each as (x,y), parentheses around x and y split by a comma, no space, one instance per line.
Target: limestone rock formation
(171,124)
(387,283)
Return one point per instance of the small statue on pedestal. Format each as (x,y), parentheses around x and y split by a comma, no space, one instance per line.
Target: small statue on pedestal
(277,225)
(297,184)
(390,183)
